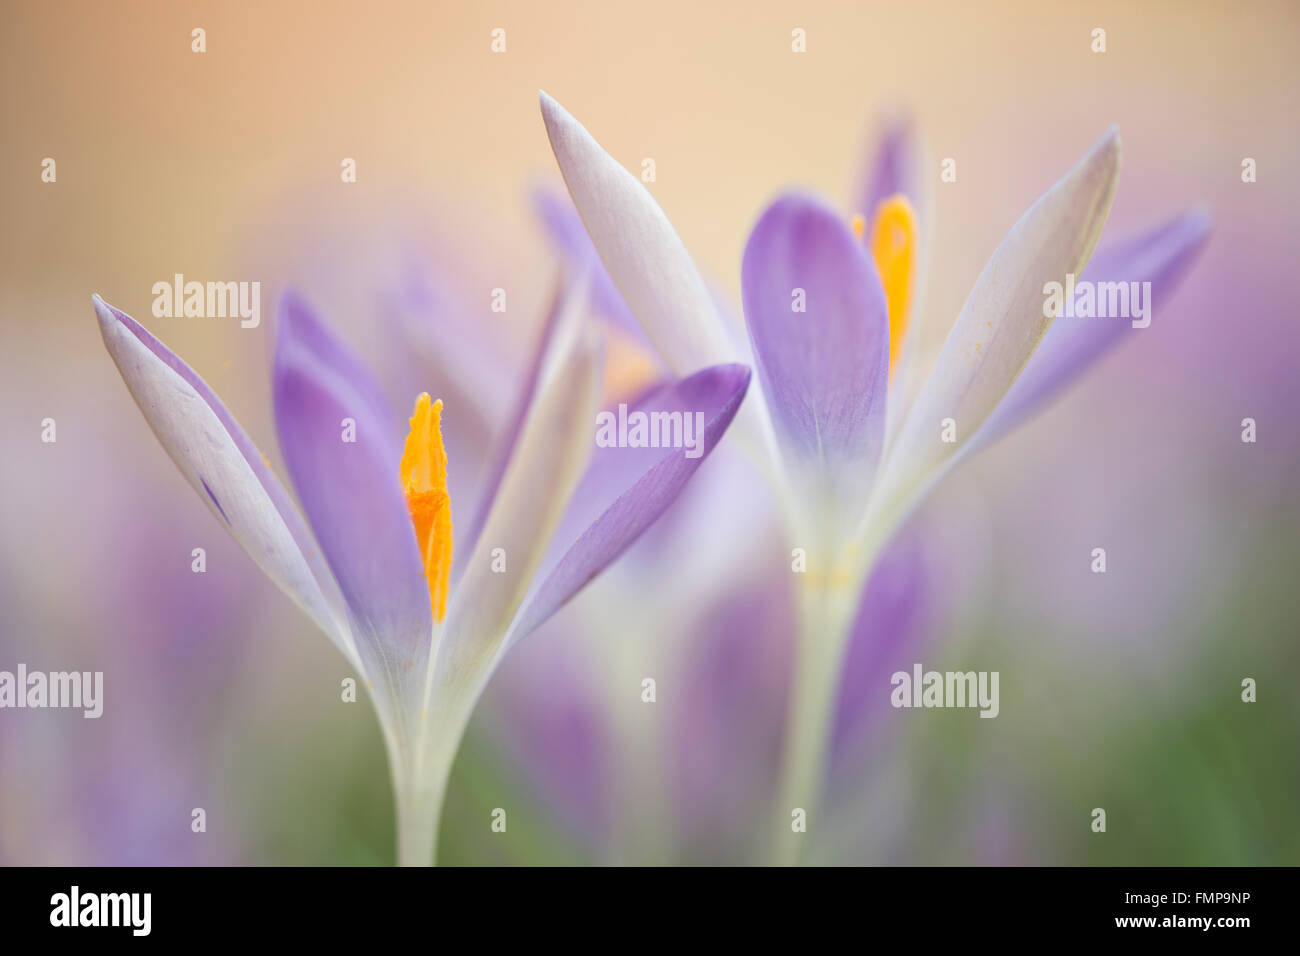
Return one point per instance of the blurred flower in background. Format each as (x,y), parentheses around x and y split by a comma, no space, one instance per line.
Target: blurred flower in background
(119,789)
(821,412)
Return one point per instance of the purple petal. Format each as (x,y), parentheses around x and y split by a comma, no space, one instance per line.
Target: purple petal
(824,370)
(639,247)
(435,342)
(727,730)
(645,482)
(1160,256)
(570,236)
(565,228)
(274,490)
(499,459)
(893,614)
(351,491)
(893,170)
(254,506)
(548,697)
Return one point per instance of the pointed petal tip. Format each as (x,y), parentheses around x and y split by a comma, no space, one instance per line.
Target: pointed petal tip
(221,463)
(1108,148)
(732,376)
(1195,223)
(551,108)
(616,504)
(730,379)
(570,140)
(743,377)
(293,301)
(1102,158)
(561,127)
(112,319)
(897,123)
(103,311)
(295,317)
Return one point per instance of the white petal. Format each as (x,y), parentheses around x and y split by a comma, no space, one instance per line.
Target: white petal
(548,460)
(643,253)
(211,461)
(1002,321)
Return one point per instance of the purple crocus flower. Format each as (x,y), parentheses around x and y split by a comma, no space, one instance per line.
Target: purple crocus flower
(850,447)
(369,556)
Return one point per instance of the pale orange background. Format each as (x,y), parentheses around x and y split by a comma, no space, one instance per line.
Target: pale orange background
(168,159)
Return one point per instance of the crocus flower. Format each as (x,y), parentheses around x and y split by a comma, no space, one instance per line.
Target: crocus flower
(850,447)
(369,557)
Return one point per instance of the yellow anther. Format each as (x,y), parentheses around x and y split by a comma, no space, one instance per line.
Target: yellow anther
(893,246)
(424,479)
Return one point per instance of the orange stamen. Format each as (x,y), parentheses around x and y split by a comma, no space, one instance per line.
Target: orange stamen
(893,246)
(424,479)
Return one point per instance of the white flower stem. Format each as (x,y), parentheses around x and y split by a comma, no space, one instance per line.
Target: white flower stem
(826,611)
(419,810)
(420,781)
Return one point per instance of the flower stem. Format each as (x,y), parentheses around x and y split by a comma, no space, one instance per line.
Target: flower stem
(825,613)
(418,813)
(420,784)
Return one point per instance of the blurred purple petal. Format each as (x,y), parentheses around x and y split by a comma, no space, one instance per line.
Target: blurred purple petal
(549,699)
(1160,256)
(893,615)
(433,341)
(894,168)
(350,490)
(731,720)
(565,228)
(626,489)
(499,459)
(824,370)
